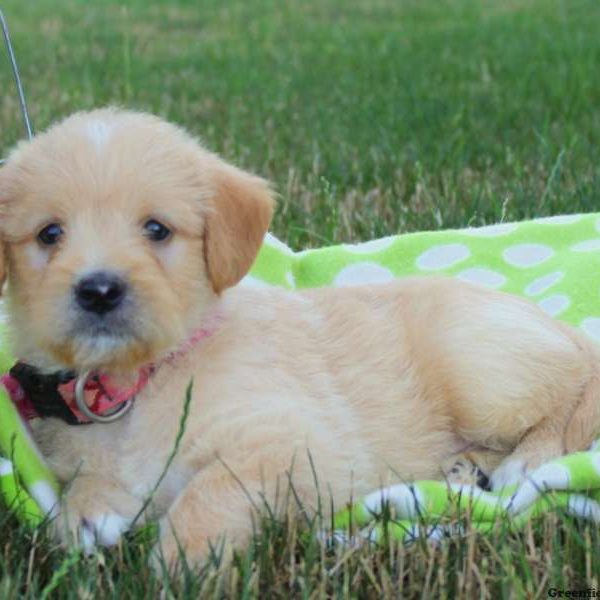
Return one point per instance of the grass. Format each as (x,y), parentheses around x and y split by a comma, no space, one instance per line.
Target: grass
(372,118)
(552,553)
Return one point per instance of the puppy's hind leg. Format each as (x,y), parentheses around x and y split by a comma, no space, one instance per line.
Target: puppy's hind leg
(542,442)
(517,382)
(554,436)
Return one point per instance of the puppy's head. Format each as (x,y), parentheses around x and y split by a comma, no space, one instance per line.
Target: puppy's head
(118,232)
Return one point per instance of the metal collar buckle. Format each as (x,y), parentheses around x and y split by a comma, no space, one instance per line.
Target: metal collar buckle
(119,412)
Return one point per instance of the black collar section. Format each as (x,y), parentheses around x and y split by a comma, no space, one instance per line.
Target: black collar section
(42,390)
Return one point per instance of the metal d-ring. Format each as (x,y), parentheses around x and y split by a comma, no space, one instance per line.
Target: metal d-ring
(121,411)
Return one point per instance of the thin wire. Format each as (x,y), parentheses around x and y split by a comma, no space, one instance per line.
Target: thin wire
(15,70)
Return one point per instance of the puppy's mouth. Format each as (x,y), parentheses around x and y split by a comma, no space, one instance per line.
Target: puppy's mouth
(102,341)
(115,325)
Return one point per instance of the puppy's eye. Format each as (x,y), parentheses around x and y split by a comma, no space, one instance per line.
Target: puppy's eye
(50,234)
(155,231)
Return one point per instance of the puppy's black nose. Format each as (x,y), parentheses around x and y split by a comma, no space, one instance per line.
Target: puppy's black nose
(100,292)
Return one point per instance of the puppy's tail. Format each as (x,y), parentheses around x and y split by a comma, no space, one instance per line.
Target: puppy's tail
(584,427)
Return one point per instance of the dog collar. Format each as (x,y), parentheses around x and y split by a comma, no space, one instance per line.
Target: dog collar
(76,399)
(80,399)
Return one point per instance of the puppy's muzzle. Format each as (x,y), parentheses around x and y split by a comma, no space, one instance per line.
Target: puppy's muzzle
(100,292)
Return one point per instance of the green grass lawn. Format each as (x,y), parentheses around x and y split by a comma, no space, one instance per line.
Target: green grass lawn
(371,117)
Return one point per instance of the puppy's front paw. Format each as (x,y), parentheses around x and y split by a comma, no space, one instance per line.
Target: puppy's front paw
(93,515)
(88,532)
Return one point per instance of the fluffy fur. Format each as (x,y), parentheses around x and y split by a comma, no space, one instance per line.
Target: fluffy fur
(374,383)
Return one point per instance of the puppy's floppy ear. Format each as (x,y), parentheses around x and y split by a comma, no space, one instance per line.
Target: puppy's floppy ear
(236,223)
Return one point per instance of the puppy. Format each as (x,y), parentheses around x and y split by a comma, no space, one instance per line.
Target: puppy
(124,241)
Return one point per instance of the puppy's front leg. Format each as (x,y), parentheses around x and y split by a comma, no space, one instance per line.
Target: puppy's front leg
(217,506)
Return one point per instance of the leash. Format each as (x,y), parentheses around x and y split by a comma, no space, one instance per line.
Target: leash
(17,78)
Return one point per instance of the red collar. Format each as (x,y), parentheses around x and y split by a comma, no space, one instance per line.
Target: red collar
(36,394)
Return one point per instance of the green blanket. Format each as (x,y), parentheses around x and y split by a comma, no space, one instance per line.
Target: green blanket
(551,261)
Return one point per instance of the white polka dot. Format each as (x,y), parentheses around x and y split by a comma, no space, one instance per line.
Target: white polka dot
(442,257)
(559,220)
(481,276)
(491,230)
(591,326)
(527,255)
(6,467)
(251,281)
(371,247)
(438,532)
(583,506)
(289,277)
(544,283)
(363,273)
(551,476)
(586,246)
(272,241)
(43,493)
(406,499)
(554,305)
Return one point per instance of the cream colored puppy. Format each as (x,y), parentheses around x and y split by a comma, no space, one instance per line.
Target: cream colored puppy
(124,239)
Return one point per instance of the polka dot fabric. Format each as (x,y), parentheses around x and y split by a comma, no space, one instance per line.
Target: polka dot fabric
(551,261)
